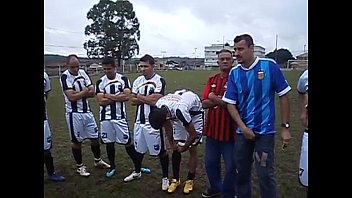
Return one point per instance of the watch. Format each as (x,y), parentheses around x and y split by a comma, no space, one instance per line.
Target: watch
(285,125)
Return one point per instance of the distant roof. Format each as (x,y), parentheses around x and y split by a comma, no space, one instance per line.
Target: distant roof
(305,54)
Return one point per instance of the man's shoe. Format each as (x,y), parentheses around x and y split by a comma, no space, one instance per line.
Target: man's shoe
(82,171)
(188,186)
(173,186)
(133,176)
(56,177)
(164,183)
(101,164)
(110,173)
(209,193)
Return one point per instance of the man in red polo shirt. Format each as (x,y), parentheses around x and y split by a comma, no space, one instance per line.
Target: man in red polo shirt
(220,131)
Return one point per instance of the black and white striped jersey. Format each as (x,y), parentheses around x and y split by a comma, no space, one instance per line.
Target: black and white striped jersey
(156,84)
(116,110)
(47,88)
(76,83)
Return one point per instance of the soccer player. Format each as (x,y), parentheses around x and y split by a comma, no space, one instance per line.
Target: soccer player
(220,131)
(250,95)
(48,159)
(146,90)
(302,88)
(77,88)
(182,116)
(112,91)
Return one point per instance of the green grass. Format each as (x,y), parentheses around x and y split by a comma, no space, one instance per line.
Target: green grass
(150,185)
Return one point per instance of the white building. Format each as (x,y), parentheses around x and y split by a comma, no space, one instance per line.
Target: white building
(211,57)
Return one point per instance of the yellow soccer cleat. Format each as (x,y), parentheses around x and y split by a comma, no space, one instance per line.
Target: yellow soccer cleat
(188,186)
(173,186)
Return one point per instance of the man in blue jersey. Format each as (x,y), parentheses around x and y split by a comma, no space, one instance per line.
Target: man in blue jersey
(250,95)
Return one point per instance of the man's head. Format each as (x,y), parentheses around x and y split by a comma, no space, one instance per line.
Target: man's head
(109,67)
(244,48)
(146,65)
(225,60)
(157,117)
(72,63)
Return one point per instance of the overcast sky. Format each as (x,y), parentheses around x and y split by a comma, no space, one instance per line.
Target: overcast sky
(177,27)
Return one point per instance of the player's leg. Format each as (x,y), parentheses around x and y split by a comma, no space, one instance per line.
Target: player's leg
(75,125)
(91,131)
(179,135)
(229,182)
(48,159)
(136,152)
(213,167)
(244,162)
(303,161)
(108,137)
(264,162)
(156,146)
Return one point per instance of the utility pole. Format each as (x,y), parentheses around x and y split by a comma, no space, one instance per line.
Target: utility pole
(195,57)
(163,53)
(223,43)
(276,49)
(304,48)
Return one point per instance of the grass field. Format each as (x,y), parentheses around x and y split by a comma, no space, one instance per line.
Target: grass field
(97,185)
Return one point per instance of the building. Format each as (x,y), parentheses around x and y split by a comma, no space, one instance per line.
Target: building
(211,57)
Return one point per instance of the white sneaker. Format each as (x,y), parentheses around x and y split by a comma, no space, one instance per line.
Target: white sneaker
(101,164)
(164,183)
(82,171)
(133,176)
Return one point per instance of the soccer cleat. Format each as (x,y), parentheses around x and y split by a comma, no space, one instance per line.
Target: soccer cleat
(188,186)
(101,164)
(209,193)
(164,183)
(173,186)
(110,173)
(133,176)
(56,177)
(82,171)
(146,170)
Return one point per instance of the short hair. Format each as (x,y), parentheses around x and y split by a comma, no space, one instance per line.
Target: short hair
(69,57)
(246,37)
(157,117)
(223,50)
(148,58)
(108,61)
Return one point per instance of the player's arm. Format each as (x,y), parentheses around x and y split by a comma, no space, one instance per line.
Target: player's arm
(169,133)
(73,95)
(90,93)
(150,99)
(102,100)
(207,102)
(134,100)
(183,115)
(120,97)
(235,115)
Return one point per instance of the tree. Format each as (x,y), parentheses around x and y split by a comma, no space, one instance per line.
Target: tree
(282,56)
(114,30)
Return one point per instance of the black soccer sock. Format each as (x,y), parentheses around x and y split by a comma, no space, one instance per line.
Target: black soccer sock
(96,150)
(136,157)
(191,176)
(176,161)
(49,163)
(110,150)
(77,154)
(164,162)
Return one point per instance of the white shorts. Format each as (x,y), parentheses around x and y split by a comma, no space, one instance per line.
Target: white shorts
(47,136)
(148,138)
(81,126)
(181,134)
(303,161)
(114,131)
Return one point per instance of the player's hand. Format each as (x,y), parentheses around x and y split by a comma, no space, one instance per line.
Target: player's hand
(248,133)
(286,137)
(173,146)
(304,118)
(211,96)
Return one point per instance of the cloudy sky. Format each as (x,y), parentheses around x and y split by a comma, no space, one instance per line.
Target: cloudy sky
(177,27)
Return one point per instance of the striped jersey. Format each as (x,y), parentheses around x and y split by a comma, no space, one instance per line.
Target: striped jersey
(218,125)
(76,83)
(302,85)
(156,84)
(117,110)
(253,90)
(47,88)
(185,102)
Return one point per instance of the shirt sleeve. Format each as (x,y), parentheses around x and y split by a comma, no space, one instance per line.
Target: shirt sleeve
(160,86)
(47,83)
(302,85)
(281,85)
(230,95)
